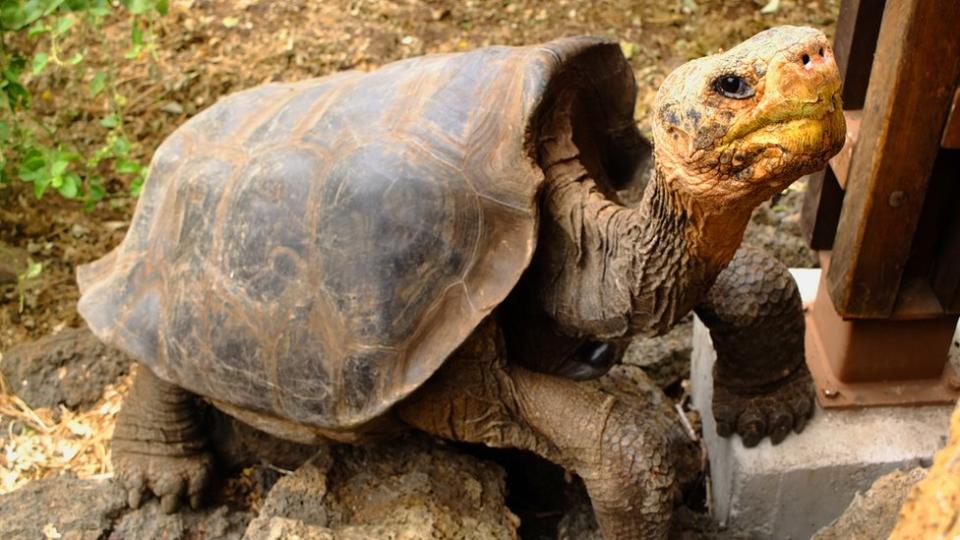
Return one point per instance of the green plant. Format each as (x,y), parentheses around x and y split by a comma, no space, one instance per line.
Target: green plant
(32,270)
(33,37)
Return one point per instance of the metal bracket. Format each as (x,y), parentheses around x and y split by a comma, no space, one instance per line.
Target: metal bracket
(875,362)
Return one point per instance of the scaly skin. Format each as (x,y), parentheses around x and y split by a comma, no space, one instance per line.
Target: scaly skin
(628,450)
(755,316)
(159,445)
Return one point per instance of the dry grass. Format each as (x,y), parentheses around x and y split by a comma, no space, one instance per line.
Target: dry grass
(37,443)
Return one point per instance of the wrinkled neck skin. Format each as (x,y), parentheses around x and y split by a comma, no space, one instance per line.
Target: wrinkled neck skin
(607,271)
(681,247)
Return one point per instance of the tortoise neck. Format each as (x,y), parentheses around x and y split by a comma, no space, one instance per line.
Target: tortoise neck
(605,270)
(678,248)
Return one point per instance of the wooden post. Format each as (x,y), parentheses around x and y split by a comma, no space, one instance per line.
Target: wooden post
(821,209)
(857,29)
(889,297)
(946,268)
(951,133)
(918,60)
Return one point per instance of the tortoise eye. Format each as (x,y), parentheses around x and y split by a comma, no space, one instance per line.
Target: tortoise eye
(733,87)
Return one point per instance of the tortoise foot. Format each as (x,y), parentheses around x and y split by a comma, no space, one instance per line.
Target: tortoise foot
(169,478)
(774,411)
(159,444)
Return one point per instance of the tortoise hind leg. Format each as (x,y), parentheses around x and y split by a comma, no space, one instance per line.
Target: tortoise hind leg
(622,454)
(159,444)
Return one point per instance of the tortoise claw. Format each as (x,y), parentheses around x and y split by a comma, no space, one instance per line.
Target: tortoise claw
(751,427)
(170,478)
(134,497)
(781,422)
(755,415)
(169,503)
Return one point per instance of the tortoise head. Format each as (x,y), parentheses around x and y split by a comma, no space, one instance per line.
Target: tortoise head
(741,125)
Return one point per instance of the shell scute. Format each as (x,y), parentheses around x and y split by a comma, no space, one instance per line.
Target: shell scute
(263,250)
(236,115)
(413,231)
(194,196)
(299,112)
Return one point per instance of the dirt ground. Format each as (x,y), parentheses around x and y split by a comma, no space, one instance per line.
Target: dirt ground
(209,48)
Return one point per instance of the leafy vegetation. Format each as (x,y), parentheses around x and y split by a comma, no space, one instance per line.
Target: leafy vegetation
(34,37)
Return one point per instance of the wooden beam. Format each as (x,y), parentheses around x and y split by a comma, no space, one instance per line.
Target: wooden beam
(951,133)
(946,278)
(821,209)
(914,72)
(856,37)
(840,163)
(858,26)
(946,271)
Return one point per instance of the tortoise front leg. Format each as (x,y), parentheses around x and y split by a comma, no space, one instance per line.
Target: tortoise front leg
(622,454)
(159,445)
(761,382)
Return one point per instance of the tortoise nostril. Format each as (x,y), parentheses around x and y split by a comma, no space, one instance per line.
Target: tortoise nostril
(806,59)
(820,52)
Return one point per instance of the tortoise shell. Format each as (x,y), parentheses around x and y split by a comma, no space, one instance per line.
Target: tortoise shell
(316,250)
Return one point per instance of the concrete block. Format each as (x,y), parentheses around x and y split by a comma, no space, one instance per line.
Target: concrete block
(791,490)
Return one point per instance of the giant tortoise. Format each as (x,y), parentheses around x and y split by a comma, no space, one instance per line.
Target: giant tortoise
(438,245)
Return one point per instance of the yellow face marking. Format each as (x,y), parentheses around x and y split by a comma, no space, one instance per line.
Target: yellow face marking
(789,112)
(798,128)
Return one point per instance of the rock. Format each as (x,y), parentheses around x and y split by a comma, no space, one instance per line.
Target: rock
(932,508)
(928,501)
(149,522)
(775,227)
(71,368)
(13,261)
(409,488)
(278,528)
(666,358)
(76,509)
(578,522)
(302,496)
(873,514)
(95,509)
(700,525)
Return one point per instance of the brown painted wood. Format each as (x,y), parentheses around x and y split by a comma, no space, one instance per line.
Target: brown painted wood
(821,209)
(840,163)
(856,37)
(868,362)
(951,133)
(930,246)
(946,280)
(904,112)
(946,272)
(858,26)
